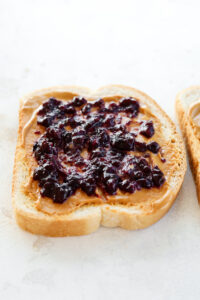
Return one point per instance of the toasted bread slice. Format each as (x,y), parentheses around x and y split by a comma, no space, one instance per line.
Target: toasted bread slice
(88,218)
(185,102)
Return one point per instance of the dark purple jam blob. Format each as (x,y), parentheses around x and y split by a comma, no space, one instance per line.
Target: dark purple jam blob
(93,123)
(122,141)
(86,109)
(111,185)
(99,131)
(103,136)
(49,111)
(68,109)
(37,132)
(98,103)
(44,171)
(78,101)
(128,186)
(49,105)
(163,160)
(75,121)
(54,134)
(79,138)
(118,127)
(42,147)
(129,105)
(153,147)
(158,177)
(88,185)
(113,107)
(109,121)
(99,152)
(66,137)
(147,129)
(140,146)
(46,120)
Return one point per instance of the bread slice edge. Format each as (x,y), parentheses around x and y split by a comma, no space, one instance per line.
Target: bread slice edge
(192,142)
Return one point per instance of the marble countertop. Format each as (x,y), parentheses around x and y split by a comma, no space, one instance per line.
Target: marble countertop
(151,45)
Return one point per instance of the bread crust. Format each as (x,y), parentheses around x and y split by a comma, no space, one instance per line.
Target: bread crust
(88,218)
(191,140)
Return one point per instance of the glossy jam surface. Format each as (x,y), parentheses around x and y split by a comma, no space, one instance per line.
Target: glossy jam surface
(88,145)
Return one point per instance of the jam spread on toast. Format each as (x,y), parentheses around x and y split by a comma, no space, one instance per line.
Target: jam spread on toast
(92,145)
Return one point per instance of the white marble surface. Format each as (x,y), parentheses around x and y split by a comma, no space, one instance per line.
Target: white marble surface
(151,45)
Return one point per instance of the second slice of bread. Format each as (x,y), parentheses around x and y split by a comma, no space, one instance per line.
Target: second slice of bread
(184,100)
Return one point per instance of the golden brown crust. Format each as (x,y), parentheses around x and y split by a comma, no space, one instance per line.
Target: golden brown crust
(87,219)
(57,227)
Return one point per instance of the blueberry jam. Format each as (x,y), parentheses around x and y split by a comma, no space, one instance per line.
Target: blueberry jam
(95,129)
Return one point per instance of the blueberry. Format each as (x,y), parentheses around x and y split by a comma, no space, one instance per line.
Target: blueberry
(129,105)
(74,181)
(86,109)
(93,123)
(119,127)
(48,112)
(69,109)
(54,133)
(109,121)
(43,146)
(45,120)
(88,185)
(158,177)
(136,174)
(80,162)
(153,147)
(127,186)
(142,162)
(67,136)
(93,143)
(79,138)
(98,103)
(140,146)
(43,171)
(122,142)
(158,180)
(113,107)
(78,101)
(147,129)
(79,141)
(145,183)
(50,104)
(103,136)
(100,152)
(111,185)
(75,121)
(109,169)
(146,170)
(61,193)
(116,163)
(116,154)
(48,189)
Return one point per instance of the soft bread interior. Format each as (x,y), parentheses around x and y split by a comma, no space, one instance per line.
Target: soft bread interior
(88,218)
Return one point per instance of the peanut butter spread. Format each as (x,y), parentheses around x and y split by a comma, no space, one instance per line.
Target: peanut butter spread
(117,187)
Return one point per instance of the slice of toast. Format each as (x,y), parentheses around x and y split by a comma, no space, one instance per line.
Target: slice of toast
(185,101)
(88,218)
